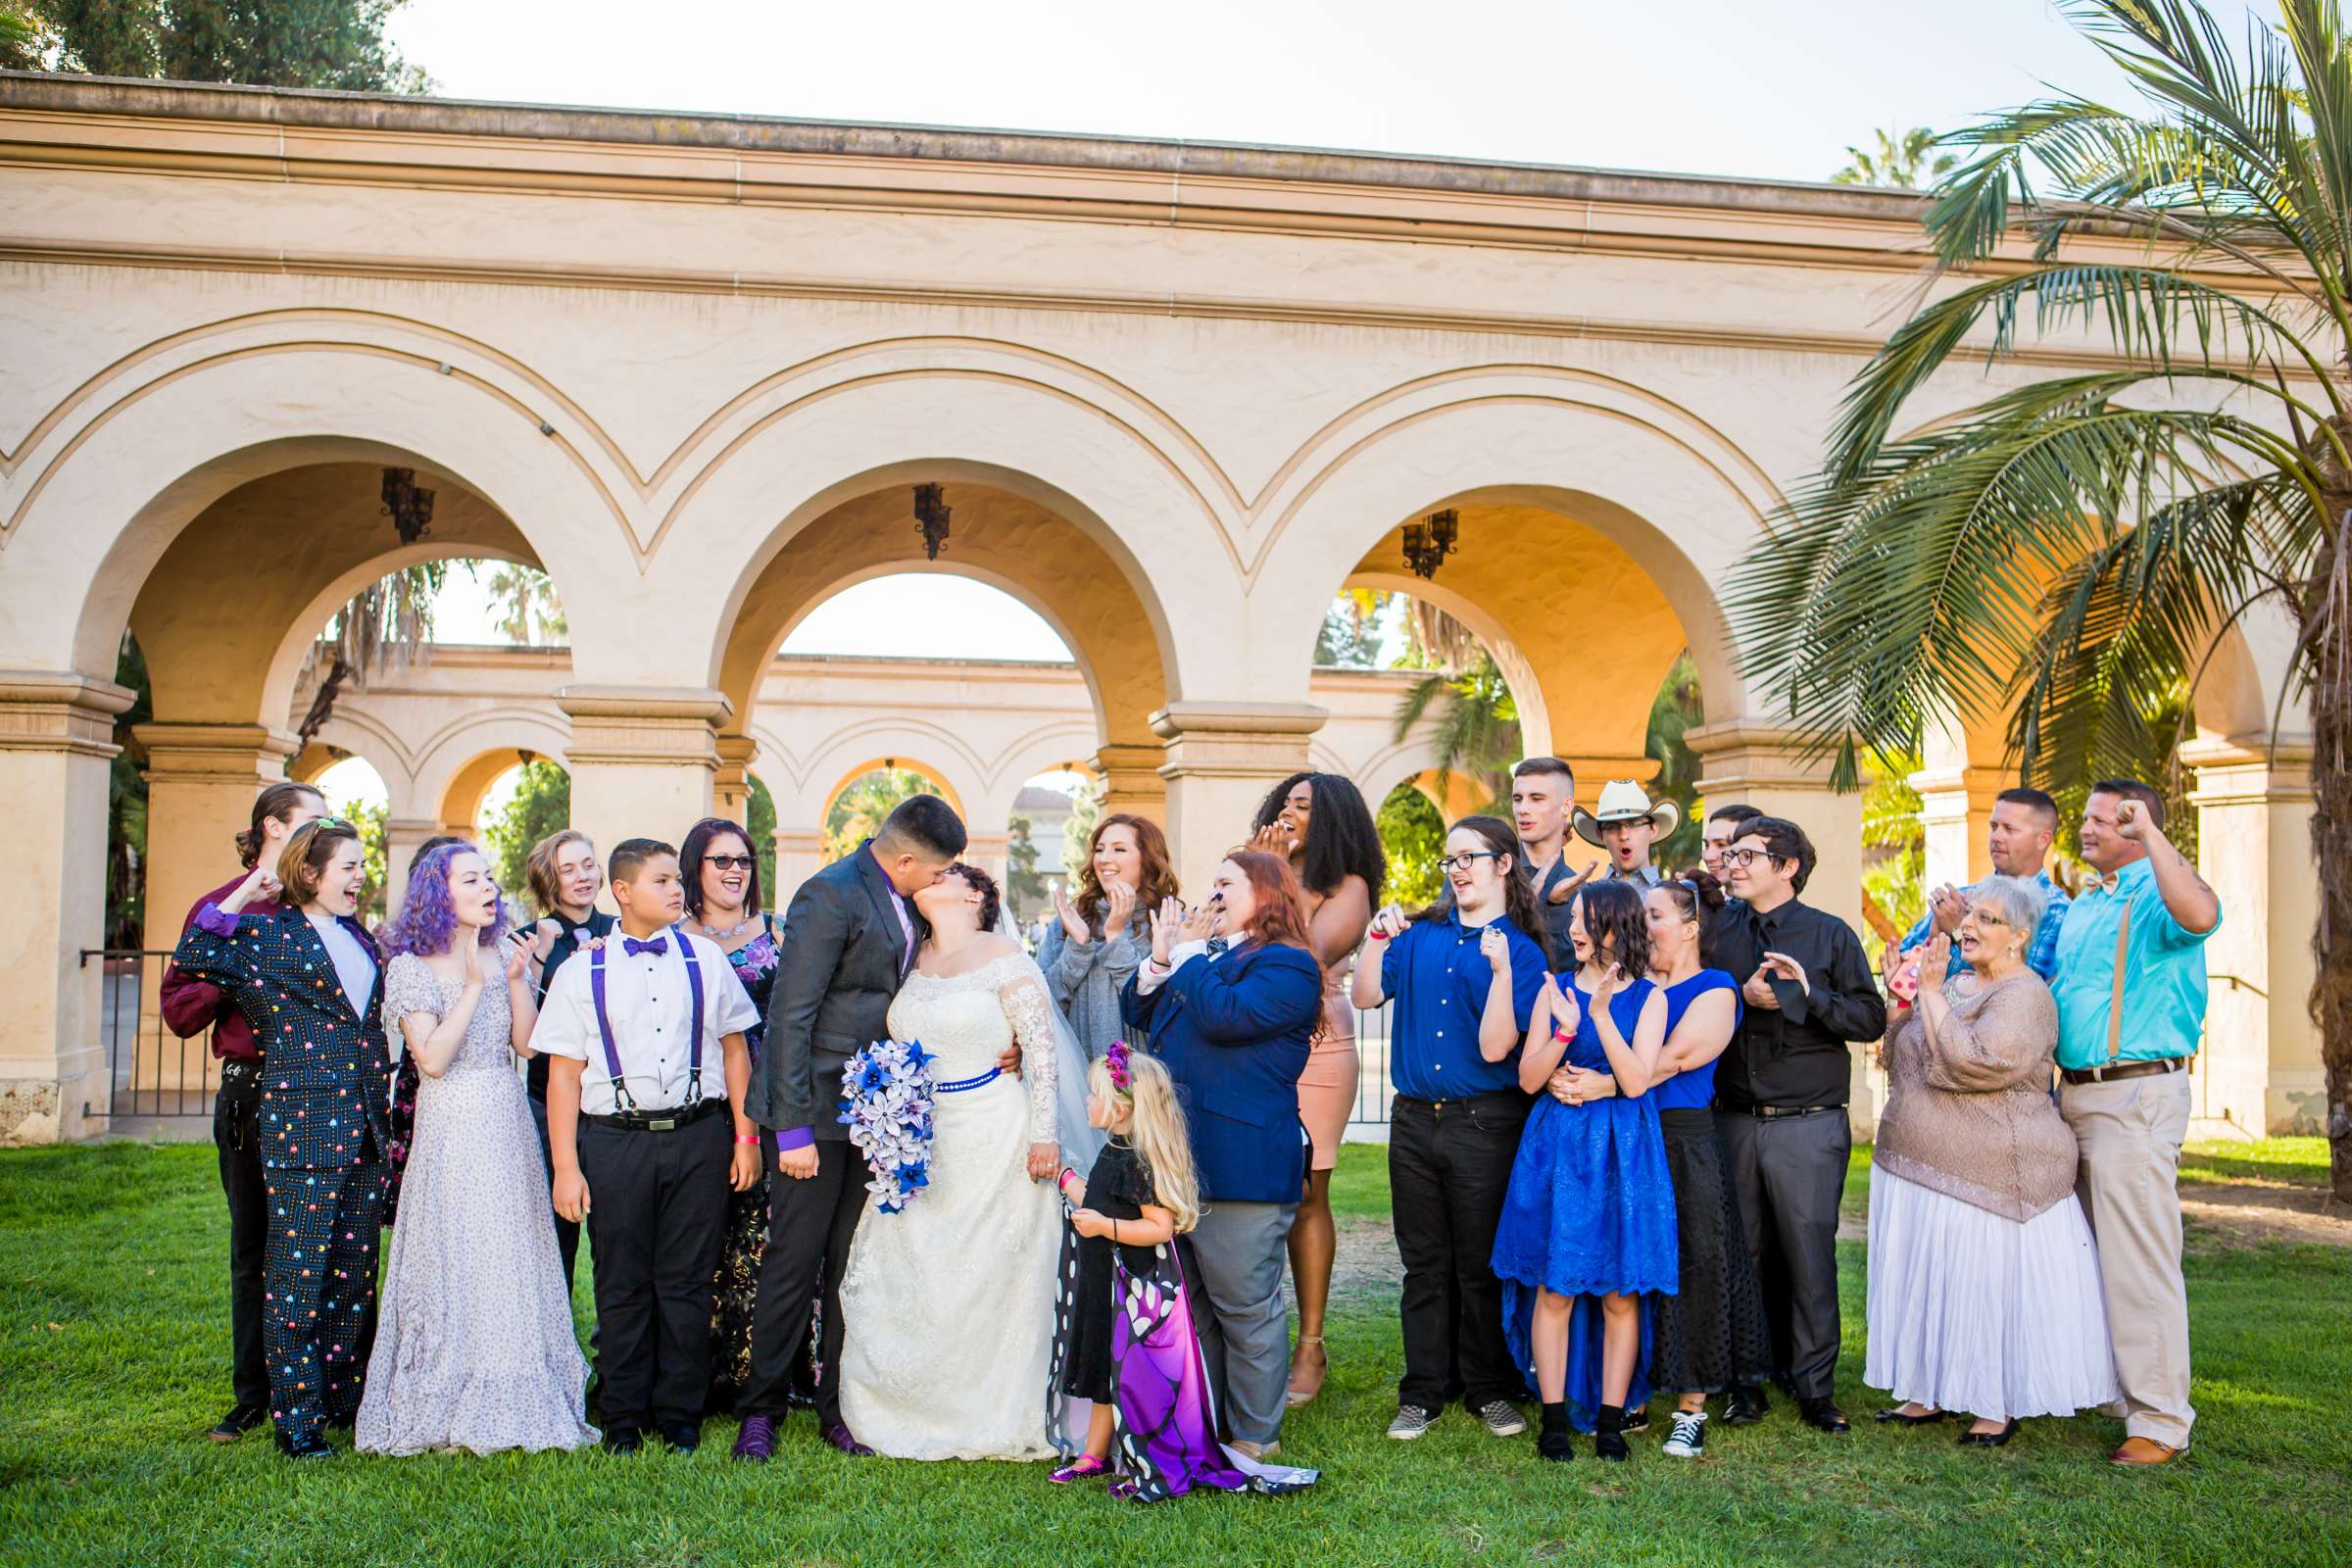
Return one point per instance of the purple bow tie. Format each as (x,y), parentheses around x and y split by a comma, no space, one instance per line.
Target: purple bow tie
(632,947)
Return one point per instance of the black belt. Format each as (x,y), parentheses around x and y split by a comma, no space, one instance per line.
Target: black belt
(2113,1071)
(659,1121)
(1497,1098)
(1775,1112)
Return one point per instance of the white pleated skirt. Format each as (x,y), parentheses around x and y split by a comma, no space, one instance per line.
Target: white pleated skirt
(1970,1311)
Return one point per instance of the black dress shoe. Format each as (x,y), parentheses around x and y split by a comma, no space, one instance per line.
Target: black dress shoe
(1823,1414)
(1988,1439)
(239,1421)
(624,1439)
(1895,1412)
(311,1445)
(683,1436)
(1744,1405)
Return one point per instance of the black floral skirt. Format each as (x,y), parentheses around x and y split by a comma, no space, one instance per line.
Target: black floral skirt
(1712,1333)
(734,1290)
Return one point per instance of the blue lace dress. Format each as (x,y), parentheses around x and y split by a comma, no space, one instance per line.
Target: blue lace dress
(1590,1211)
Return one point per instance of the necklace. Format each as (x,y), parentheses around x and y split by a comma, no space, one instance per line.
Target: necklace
(731,933)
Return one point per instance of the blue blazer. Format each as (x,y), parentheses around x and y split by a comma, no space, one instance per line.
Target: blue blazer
(1234,1035)
(326,1073)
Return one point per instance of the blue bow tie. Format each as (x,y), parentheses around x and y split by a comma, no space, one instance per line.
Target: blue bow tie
(632,947)
(1217,945)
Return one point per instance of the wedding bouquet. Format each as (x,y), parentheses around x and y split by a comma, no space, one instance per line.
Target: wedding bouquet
(887,1107)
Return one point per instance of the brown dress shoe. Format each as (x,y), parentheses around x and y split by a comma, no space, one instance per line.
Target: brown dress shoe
(2143,1450)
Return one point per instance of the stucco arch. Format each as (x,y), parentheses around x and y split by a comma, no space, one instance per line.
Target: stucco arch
(1591,528)
(457,765)
(849,775)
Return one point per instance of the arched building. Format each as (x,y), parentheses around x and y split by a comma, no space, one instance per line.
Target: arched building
(694,367)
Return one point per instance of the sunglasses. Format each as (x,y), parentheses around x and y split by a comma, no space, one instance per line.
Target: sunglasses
(730,863)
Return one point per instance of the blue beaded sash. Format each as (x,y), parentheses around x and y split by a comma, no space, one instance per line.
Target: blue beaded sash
(961,1084)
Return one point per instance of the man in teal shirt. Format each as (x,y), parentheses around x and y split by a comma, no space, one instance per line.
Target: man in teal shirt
(2130,989)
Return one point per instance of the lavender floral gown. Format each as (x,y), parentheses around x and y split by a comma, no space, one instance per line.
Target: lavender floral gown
(474,1346)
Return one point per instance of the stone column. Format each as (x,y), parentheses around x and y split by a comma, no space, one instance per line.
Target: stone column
(56,742)
(1221,758)
(1593,772)
(201,781)
(731,784)
(402,837)
(2259,1069)
(800,855)
(642,759)
(1131,780)
(1955,808)
(1742,760)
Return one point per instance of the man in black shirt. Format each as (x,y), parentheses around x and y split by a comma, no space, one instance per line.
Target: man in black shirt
(1779,1100)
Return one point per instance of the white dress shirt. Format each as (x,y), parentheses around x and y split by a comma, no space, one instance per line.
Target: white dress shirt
(651,1009)
(354,969)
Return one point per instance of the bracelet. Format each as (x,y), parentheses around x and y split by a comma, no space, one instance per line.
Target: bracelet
(742,1142)
(1114,1233)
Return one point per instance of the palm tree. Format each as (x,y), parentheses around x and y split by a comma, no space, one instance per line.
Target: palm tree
(2080,543)
(1895,161)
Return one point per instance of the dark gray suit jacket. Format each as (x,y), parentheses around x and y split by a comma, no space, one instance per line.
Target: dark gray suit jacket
(841,961)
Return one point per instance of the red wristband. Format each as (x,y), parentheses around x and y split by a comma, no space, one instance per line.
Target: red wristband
(751,1142)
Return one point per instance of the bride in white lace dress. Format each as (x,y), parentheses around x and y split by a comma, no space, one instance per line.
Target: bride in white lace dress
(947,1309)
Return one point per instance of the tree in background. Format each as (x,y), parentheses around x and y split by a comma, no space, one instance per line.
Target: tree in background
(540,805)
(1078,829)
(267,43)
(1894,851)
(375,897)
(387,626)
(527,600)
(2074,549)
(25,38)
(127,805)
(1349,637)
(1024,883)
(1903,163)
(1413,835)
(1677,709)
(860,809)
(760,820)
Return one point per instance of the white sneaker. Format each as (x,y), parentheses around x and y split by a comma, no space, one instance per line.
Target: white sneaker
(1502,1418)
(1411,1421)
(1689,1438)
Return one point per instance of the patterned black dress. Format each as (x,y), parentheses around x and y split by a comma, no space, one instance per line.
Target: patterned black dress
(736,1286)
(1118,1188)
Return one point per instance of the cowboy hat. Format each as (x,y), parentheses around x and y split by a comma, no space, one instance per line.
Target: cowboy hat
(1624,800)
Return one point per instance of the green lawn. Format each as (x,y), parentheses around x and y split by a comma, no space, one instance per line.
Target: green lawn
(114,1345)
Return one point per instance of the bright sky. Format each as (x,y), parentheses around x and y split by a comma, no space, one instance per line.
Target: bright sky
(1707,86)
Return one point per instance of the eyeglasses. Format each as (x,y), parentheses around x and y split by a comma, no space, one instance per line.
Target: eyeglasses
(1746,857)
(1466,860)
(1985,916)
(729,863)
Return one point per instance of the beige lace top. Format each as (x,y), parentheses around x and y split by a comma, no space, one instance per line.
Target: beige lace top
(1970,1115)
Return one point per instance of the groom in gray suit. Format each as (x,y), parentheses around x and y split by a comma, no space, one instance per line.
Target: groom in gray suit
(850,937)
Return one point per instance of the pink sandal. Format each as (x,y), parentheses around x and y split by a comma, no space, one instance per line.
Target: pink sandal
(1084,1469)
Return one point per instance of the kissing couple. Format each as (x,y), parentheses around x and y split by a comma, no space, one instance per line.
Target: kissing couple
(937,1321)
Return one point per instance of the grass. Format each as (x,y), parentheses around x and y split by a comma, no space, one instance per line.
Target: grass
(113,1350)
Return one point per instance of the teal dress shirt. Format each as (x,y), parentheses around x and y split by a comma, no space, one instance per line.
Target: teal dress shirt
(2164,980)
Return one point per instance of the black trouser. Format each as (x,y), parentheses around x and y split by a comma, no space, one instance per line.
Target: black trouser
(809,1226)
(1449,1163)
(1789,1173)
(234,1111)
(656,1209)
(567,1232)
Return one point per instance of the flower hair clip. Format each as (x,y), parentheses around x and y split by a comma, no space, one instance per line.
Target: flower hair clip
(1123,1078)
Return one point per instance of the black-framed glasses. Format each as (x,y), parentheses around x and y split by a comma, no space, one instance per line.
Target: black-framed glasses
(730,863)
(1747,856)
(1466,860)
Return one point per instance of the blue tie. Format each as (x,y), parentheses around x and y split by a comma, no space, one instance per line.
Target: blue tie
(1217,945)
(632,947)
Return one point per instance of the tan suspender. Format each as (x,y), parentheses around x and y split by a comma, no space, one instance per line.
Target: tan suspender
(2115,992)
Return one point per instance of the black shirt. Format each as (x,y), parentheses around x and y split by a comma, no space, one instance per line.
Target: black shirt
(1795,1056)
(566,943)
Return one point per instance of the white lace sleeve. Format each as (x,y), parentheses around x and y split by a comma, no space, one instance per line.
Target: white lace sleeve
(1030,1012)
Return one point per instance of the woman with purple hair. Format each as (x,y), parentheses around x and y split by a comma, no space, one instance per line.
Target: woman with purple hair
(474,1346)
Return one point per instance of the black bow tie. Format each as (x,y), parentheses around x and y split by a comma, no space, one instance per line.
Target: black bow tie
(632,947)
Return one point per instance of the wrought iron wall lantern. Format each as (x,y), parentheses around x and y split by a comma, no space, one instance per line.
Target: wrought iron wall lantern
(931,519)
(1431,541)
(410,509)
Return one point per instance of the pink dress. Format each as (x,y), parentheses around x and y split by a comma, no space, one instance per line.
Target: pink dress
(1327,1089)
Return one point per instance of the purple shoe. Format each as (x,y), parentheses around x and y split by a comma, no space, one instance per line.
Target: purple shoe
(841,1437)
(1084,1467)
(757,1441)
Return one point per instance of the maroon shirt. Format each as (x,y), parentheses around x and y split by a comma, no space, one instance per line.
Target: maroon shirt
(191,1006)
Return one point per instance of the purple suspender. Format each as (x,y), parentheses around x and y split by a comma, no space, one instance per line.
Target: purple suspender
(603,1024)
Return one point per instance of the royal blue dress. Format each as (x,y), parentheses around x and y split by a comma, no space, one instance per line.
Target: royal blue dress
(1590,1211)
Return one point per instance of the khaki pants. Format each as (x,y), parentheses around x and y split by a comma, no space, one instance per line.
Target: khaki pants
(2129,1136)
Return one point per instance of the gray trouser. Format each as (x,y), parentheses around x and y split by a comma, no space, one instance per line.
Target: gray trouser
(1788,1173)
(1241,1249)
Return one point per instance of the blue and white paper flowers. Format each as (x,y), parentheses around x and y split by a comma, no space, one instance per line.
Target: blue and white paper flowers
(887,1109)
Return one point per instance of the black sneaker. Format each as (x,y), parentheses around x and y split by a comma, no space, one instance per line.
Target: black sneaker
(683,1436)
(1411,1421)
(310,1445)
(624,1439)
(1689,1438)
(239,1421)
(1637,1419)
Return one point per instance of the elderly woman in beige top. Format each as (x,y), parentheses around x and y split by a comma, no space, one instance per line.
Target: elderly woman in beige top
(1983,1278)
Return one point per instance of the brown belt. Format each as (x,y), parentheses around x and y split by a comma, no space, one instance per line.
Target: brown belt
(2123,1070)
